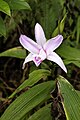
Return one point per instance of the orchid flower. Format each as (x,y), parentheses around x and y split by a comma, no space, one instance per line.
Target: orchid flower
(42,49)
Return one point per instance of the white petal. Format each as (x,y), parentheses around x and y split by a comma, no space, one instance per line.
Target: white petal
(42,54)
(39,35)
(28,59)
(53,43)
(55,58)
(29,44)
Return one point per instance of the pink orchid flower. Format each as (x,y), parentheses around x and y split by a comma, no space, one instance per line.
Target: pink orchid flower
(42,49)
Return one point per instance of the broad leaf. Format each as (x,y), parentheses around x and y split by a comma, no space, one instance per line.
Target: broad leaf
(19,4)
(4,7)
(70,54)
(43,114)
(78,92)
(34,77)
(28,100)
(17,52)
(71,99)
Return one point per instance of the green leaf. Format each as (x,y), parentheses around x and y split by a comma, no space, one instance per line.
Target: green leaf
(43,114)
(34,77)
(71,100)
(28,100)
(19,4)
(4,7)
(78,92)
(2,27)
(77,63)
(17,52)
(78,30)
(47,14)
(77,3)
(60,27)
(70,54)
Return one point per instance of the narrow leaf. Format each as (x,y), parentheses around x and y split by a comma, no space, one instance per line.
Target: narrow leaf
(43,114)
(71,99)
(78,31)
(60,27)
(2,27)
(28,100)
(34,77)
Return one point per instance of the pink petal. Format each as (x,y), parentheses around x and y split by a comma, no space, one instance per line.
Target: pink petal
(42,54)
(39,35)
(28,59)
(53,43)
(39,58)
(55,58)
(29,44)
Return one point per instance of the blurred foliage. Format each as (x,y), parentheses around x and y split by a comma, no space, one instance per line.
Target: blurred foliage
(4,7)
(56,17)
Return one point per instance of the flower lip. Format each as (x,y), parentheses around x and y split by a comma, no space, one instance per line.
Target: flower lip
(37,60)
